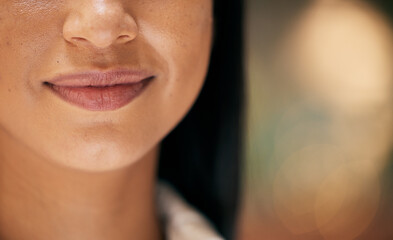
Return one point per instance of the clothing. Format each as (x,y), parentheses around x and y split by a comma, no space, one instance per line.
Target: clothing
(180,220)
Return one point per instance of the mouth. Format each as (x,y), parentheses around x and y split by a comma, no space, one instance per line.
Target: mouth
(100,91)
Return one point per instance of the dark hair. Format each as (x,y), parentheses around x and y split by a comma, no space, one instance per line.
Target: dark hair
(384,6)
(201,156)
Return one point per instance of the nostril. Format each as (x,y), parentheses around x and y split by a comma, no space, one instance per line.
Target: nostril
(123,39)
(79,39)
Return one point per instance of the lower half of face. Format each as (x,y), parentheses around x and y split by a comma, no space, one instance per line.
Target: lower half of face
(95,42)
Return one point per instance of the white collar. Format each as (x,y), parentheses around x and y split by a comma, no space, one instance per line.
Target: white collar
(181,220)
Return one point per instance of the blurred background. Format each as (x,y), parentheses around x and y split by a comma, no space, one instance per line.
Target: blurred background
(319,139)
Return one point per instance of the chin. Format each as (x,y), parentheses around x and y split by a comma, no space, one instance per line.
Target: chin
(98,156)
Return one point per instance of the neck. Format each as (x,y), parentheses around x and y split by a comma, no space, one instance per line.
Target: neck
(39,200)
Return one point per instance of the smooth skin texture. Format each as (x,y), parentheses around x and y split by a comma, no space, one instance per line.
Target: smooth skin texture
(69,173)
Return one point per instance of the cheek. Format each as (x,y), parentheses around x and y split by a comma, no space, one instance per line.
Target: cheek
(25,37)
(184,41)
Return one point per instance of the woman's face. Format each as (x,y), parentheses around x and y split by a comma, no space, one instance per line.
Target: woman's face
(51,51)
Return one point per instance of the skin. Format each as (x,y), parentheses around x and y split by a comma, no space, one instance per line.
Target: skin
(71,173)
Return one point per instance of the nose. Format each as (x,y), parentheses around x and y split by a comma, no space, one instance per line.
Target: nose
(99,23)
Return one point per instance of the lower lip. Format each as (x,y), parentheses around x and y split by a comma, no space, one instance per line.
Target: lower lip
(101,98)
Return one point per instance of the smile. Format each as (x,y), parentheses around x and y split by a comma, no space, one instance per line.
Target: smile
(100,91)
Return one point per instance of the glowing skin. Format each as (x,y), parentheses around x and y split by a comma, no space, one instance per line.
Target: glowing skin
(67,172)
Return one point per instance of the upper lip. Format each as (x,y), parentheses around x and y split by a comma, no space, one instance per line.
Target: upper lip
(100,78)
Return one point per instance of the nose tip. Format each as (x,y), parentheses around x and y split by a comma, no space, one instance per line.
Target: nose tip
(101,29)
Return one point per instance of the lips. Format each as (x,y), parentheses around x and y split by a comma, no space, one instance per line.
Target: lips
(100,91)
